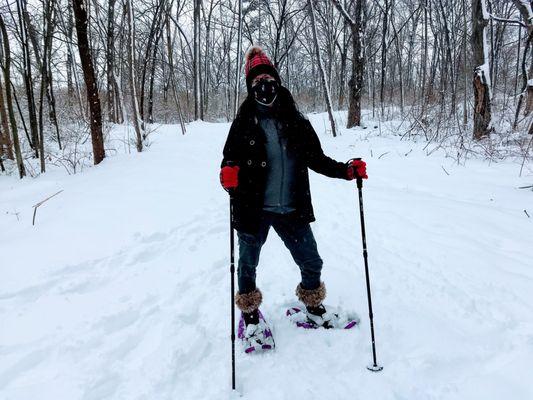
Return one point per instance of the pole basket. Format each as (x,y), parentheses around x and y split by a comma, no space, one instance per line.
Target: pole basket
(374,368)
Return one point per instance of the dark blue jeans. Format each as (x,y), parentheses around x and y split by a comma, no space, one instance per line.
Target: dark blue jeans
(298,238)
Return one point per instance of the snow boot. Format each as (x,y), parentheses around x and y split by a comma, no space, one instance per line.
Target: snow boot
(253,329)
(320,317)
(315,314)
(255,332)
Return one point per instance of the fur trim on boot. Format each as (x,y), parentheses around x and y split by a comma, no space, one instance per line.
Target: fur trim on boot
(313,297)
(248,302)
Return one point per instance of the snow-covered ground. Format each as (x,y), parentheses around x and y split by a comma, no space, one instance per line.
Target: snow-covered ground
(121,289)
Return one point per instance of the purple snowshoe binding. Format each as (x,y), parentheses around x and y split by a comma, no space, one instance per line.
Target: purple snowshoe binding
(327,319)
(255,337)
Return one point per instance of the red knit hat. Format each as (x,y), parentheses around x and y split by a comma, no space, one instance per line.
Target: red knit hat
(257,63)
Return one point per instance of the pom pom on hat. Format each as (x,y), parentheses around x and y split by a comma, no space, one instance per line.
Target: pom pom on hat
(257,63)
(252,52)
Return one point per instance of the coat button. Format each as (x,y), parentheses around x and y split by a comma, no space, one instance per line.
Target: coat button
(252,142)
(249,162)
(263,164)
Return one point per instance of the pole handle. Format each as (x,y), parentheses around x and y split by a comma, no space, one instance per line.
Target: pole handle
(231,191)
(359,180)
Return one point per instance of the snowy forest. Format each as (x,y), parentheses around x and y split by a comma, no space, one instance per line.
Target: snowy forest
(459,72)
(147,148)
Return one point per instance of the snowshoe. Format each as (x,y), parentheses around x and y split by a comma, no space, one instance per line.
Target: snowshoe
(255,334)
(319,317)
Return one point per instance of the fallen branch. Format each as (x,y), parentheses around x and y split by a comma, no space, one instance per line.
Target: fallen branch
(36,206)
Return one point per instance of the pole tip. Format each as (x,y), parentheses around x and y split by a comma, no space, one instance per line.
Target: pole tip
(374,368)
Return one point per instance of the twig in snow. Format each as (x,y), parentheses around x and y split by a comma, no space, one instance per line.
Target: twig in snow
(421,126)
(15,213)
(409,152)
(525,154)
(526,187)
(36,206)
(444,169)
(387,152)
(527,214)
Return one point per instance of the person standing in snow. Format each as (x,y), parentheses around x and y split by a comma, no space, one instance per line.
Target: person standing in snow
(268,151)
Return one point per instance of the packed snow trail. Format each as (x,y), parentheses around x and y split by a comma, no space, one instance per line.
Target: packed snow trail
(121,289)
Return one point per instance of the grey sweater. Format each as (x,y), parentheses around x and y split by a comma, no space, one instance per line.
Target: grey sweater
(281,165)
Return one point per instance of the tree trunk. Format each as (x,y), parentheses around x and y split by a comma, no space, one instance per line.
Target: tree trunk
(481,78)
(9,102)
(151,87)
(69,27)
(321,69)
(46,78)
(197,85)
(27,76)
(110,59)
(5,138)
(149,57)
(449,58)
(465,110)
(384,56)
(172,77)
(356,82)
(342,72)
(80,15)
(131,64)
(424,91)
(399,63)
(238,64)
(527,86)
(527,90)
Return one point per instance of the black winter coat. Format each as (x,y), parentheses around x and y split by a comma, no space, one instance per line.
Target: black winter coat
(245,147)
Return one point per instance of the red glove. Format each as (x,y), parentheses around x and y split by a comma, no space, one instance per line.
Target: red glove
(229,177)
(356,169)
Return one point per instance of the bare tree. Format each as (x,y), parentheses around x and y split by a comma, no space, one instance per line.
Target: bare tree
(526,12)
(481,79)
(321,69)
(198,109)
(357,27)
(5,139)
(133,81)
(27,75)
(80,15)
(238,63)
(110,60)
(172,75)
(384,32)
(9,102)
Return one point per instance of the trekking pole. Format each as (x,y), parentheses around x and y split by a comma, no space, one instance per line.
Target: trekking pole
(374,366)
(232,273)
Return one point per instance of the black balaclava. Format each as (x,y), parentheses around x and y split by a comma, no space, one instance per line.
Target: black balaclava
(265,91)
